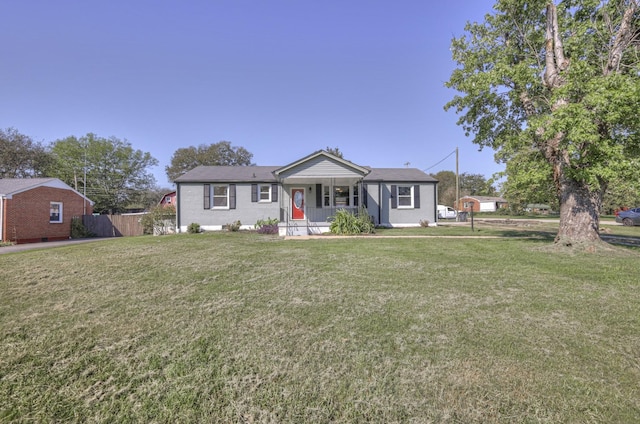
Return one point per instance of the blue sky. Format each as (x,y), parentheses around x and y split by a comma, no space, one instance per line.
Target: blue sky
(281,78)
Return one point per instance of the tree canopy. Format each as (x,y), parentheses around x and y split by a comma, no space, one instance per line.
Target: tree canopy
(335,151)
(116,173)
(20,156)
(555,90)
(222,153)
(468,184)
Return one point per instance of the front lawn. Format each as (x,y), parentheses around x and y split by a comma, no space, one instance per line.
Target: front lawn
(242,327)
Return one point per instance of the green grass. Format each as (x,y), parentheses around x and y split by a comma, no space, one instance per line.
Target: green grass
(239,327)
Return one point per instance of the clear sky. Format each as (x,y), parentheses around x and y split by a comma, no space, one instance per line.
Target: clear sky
(281,78)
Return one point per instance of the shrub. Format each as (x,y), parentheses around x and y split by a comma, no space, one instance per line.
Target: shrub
(345,222)
(193,228)
(78,230)
(159,220)
(424,223)
(234,227)
(267,226)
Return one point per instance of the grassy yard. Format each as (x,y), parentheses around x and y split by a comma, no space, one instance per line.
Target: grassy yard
(240,327)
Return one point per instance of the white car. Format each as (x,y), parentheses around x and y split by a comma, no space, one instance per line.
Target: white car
(446,212)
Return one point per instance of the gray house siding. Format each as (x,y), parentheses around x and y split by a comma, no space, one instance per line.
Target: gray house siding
(391,216)
(192,210)
(320,168)
(322,177)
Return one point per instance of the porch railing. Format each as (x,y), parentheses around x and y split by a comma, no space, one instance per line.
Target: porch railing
(315,219)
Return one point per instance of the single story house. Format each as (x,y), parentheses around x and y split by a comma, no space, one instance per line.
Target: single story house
(39,209)
(303,195)
(481,203)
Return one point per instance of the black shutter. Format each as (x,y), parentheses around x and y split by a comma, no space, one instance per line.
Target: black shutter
(254,192)
(232,196)
(274,192)
(319,196)
(364,195)
(416,196)
(207,196)
(394,197)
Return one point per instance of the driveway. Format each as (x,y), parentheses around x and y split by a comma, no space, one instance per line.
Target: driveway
(48,244)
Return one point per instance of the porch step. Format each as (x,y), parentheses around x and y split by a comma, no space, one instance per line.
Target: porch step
(297,230)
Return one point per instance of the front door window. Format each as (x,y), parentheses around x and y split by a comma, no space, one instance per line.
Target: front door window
(297,203)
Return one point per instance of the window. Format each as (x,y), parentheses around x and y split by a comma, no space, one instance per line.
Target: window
(356,201)
(405,196)
(326,196)
(265,192)
(340,196)
(220,197)
(55,212)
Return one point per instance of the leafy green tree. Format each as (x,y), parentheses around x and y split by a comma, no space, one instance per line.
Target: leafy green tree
(474,184)
(446,187)
(621,193)
(222,153)
(20,156)
(555,88)
(115,172)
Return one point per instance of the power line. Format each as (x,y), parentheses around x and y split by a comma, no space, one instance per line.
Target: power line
(445,158)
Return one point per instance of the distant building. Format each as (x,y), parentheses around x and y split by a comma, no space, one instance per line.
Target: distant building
(481,203)
(168,199)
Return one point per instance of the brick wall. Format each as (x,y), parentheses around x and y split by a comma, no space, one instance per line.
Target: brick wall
(27,214)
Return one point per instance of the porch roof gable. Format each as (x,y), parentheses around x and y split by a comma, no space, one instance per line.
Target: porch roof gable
(321,164)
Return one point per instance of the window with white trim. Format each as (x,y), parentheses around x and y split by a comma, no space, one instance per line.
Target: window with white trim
(55,212)
(405,196)
(220,196)
(326,196)
(340,196)
(264,191)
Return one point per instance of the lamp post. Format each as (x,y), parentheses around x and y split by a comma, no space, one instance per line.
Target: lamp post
(471,205)
(84,181)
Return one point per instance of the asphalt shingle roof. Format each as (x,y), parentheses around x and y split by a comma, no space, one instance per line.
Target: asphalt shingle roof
(13,185)
(265,174)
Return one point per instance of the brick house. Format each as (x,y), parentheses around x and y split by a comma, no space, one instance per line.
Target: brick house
(481,203)
(39,209)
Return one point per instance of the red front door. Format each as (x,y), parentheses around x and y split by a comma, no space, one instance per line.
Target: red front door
(297,203)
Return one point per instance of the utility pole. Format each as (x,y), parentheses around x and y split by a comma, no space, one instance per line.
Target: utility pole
(457,183)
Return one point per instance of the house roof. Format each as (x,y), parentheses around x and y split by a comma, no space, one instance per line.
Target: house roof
(229,174)
(269,173)
(11,186)
(485,199)
(399,174)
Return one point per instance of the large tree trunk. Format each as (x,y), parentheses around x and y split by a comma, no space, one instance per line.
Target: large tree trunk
(579,214)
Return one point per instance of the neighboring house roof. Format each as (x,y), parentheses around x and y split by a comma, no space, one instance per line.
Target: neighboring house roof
(485,199)
(229,174)
(12,186)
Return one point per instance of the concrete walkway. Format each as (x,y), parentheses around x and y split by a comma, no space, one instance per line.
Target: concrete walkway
(49,244)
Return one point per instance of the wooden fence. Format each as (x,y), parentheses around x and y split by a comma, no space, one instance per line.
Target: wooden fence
(113,225)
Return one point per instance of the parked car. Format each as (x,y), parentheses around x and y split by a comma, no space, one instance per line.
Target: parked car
(629,217)
(446,212)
